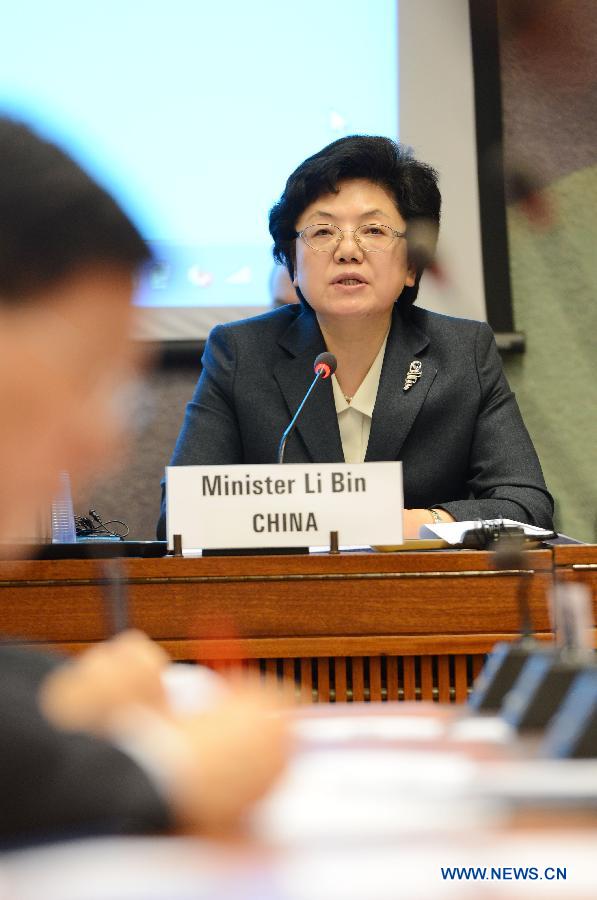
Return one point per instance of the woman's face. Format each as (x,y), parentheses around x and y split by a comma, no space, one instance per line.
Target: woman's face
(350,283)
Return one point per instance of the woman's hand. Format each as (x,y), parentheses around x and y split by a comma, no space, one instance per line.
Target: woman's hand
(414,518)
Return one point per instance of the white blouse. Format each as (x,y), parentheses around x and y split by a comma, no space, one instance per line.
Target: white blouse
(354,418)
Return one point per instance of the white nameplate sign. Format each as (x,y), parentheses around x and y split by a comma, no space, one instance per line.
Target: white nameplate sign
(292,505)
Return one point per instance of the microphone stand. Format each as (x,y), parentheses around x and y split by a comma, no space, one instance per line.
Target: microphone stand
(324,366)
(506,660)
(290,429)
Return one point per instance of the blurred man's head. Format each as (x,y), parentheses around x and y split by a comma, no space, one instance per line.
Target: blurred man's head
(281,288)
(68,259)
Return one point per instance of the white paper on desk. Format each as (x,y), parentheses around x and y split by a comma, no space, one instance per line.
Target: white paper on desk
(482,729)
(337,729)
(540,781)
(452,532)
(347,548)
(364,794)
(192,689)
(122,868)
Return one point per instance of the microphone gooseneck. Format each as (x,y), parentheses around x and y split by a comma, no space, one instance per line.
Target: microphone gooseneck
(324,367)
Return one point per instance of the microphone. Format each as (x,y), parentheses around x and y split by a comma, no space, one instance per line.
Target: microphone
(324,366)
(507,660)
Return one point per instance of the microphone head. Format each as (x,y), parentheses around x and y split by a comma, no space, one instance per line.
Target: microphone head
(325,365)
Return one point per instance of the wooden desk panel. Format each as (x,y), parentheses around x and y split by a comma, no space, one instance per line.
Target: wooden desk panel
(354,595)
(349,626)
(577,562)
(575,554)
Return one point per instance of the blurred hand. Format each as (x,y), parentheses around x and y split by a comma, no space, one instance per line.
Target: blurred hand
(211,766)
(89,692)
(234,754)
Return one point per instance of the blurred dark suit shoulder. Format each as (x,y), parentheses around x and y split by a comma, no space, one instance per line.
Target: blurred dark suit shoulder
(58,784)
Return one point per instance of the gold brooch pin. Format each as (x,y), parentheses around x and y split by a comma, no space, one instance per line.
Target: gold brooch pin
(415,371)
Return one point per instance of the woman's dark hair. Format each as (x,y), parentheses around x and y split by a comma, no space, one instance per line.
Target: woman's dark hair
(54,218)
(412,184)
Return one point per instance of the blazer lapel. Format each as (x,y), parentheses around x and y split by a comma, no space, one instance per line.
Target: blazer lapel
(318,423)
(396,409)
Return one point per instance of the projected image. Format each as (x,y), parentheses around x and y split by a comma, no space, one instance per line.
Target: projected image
(195,113)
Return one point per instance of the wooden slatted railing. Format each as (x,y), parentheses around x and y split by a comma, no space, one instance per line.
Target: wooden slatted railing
(444,678)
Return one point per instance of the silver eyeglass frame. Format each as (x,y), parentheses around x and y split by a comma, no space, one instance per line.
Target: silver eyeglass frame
(343,231)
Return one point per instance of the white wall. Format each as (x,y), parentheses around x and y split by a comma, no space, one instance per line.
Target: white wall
(437,119)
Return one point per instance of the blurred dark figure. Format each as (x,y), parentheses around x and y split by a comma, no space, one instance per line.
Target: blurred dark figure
(91,746)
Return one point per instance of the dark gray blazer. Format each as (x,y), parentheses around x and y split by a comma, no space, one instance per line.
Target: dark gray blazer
(56,784)
(458,430)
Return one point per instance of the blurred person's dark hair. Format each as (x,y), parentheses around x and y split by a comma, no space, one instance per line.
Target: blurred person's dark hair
(54,219)
(411,184)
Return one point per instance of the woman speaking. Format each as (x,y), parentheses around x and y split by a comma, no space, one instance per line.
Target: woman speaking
(410,385)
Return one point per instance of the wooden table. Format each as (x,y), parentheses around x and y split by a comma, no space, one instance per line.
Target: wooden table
(577,562)
(353,626)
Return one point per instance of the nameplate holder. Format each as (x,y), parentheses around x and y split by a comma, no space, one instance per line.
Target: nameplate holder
(292,505)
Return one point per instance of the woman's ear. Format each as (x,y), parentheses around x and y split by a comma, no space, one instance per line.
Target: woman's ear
(411,277)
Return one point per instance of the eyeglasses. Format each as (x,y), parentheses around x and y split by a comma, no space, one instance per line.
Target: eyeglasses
(370,238)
